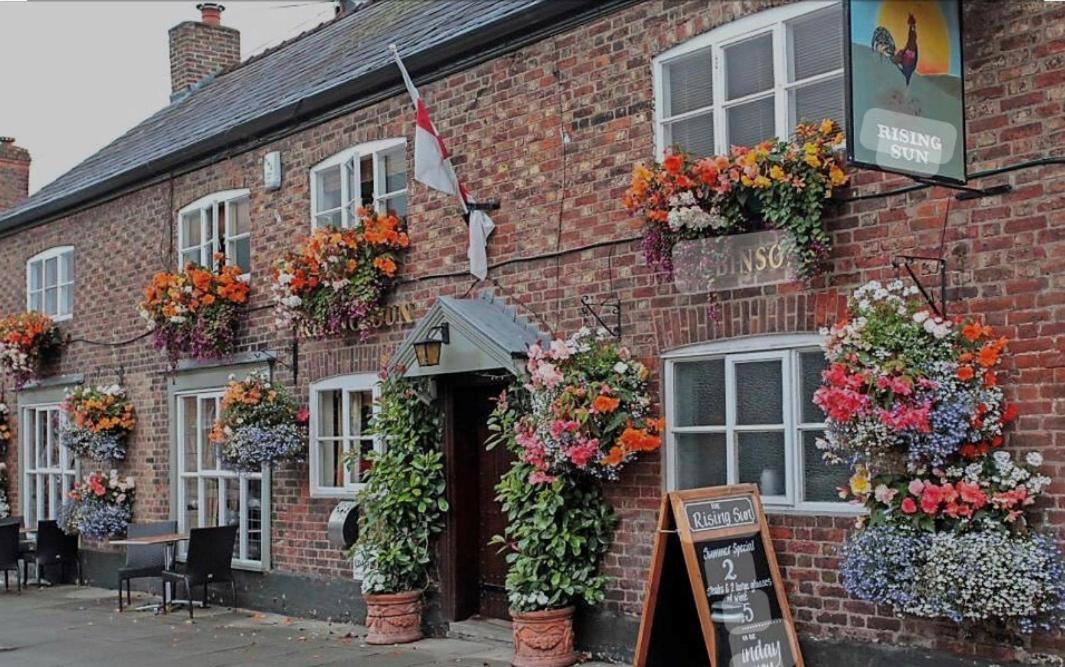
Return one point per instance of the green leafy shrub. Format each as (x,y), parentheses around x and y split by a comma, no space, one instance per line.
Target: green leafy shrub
(402,505)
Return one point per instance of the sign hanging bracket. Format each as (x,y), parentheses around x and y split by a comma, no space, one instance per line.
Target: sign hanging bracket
(965,192)
(906,262)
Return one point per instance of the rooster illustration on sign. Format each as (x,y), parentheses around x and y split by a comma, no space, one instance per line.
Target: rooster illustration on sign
(905,58)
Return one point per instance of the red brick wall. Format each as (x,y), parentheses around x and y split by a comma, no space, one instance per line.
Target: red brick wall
(505,120)
(14,173)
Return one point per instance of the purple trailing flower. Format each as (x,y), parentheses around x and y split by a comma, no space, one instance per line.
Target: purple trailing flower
(251,447)
(102,521)
(95,445)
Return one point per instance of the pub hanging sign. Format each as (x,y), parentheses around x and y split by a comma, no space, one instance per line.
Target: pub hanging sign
(905,93)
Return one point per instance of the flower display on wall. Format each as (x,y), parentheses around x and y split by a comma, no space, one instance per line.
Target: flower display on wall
(589,409)
(774,185)
(25,339)
(5,505)
(260,423)
(196,311)
(337,278)
(99,421)
(5,429)
(99,507)
(913,404)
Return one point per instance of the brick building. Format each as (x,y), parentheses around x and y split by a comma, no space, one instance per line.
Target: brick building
(547,105)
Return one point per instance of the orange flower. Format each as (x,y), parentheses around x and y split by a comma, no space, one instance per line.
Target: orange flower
(636,440)
(988,356)
(614,457)
(965,373)
(385,265)
(972,331)
(990,379)
(605,404)
(673,163)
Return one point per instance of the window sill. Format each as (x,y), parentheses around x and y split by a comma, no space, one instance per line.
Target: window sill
(62,318)
(335,494)
(845,510)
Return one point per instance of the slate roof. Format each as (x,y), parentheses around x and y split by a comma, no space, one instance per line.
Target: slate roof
(274,89)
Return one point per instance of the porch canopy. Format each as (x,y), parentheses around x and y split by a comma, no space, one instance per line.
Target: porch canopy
(484,335)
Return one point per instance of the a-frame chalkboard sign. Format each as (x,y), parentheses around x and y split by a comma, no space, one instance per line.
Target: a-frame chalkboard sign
(714,596)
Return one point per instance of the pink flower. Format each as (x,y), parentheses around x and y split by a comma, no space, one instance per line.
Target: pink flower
(909,506)
(584,452)
(539,477)
(916,486)
(559,350)
(560,426)
(547,374)
(884,494)
(895,385)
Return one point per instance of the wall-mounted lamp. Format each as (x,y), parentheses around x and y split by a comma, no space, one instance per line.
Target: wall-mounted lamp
(428,350)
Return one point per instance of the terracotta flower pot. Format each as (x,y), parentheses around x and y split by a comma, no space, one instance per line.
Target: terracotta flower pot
(544,638)
(394,618)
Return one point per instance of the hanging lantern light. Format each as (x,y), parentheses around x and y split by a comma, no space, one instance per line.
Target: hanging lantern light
(428,350)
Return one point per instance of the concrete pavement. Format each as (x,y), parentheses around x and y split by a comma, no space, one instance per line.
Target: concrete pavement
(67,625)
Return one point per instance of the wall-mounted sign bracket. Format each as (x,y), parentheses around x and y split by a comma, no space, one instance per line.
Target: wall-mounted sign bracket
(906,262)
(487,205)
(965,192)
(606,314)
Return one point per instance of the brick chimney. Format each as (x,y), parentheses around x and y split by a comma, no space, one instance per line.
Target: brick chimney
(199,49)
(14,173)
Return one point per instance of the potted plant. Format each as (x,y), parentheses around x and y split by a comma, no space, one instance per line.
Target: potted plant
(402,511)
(99,421)
(583,413)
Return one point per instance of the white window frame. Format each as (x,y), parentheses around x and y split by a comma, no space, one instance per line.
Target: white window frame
(361,382)
(349,162)
(67,469)
(787,348)
(224,477)
(210,243)
(62,254)
(773,21)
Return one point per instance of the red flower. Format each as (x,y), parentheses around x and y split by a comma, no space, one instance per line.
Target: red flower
(909,506)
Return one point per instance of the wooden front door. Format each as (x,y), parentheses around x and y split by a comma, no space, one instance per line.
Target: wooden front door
(475,572)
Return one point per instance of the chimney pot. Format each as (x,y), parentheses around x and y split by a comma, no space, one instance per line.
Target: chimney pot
(211,12)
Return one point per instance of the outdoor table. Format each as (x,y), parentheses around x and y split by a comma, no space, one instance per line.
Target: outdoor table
(27,545)
(170,541)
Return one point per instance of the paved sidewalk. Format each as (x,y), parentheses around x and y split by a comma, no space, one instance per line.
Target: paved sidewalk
(81,626)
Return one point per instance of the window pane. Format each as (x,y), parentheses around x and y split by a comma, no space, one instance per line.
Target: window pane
(693,135)
(820,479)
(397,206)
(360,411)
(749,67)
(330,413)
(689,83)
(35,300)
(66,299)
(818,101)
(240,253)
(395,169)
(699,387)
(231,510)
(759,392)
(208,461)
(812,363)
(366,181)
(52,439)
(817,43)
(51,301)
(329,470)
(66,268)
(255,520)
(761,461)
(327,182)
(51,271)
(701,460)
(241,212)
(36,271)
(210,502)
(190,229)
(192,504)
(329,219)
(751,123)
(188,434)
(365,446)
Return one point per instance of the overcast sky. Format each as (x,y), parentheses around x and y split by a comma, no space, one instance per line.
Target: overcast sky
(75,75)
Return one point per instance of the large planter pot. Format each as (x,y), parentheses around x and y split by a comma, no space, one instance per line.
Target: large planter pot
(394,618)
(544,638)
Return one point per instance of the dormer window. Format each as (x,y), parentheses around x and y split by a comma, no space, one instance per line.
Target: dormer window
(220,222)
(372,175)
(50,282)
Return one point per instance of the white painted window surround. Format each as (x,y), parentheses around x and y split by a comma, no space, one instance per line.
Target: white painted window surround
(218,222)
(211,494)
(50,282)
(751,79)
(341,408)
(372,174)
(49,469)
(741,411)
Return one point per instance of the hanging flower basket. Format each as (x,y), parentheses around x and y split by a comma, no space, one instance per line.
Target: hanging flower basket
(25,340)
(260,424)
(99,421)
(913,405)
(775,185)
(99,507)
(336,280)
(196,311)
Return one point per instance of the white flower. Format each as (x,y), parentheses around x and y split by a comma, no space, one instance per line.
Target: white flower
(1034,459)
(920,316)
(292,301)
(621,367)
(1001,457)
